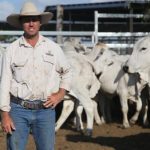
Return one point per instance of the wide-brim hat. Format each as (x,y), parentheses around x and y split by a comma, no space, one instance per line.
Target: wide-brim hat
(28,9)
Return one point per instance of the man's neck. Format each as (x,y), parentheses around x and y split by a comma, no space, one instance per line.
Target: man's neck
(32,40)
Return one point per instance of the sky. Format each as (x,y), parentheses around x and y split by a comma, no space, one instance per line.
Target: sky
(13,6)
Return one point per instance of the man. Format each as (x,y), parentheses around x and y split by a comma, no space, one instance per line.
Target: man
(35,77)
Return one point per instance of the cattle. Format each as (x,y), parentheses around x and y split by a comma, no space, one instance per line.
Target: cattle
(108,66)
(114,80)
(70,104)
(73,45)
(84,85)
(139,62)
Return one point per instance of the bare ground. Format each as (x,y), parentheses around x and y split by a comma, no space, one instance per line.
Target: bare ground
(105,137)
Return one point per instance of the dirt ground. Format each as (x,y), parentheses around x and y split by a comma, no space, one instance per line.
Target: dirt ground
(105,137)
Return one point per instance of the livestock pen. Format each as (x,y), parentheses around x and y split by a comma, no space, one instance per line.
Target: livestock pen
(107,136)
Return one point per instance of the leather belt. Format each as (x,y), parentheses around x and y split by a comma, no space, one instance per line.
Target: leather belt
(28,104)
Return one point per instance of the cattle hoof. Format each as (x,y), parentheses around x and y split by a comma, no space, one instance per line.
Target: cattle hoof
(126,126)
(87,132)
(132,122)
(146,124)
(99,123)
(79,129)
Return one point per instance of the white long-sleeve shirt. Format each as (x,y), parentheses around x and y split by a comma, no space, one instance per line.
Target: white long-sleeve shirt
(33,72)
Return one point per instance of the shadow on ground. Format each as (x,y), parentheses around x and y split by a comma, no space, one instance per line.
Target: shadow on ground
(134,142)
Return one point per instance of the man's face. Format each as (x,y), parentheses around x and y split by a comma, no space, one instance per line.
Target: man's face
(31,25)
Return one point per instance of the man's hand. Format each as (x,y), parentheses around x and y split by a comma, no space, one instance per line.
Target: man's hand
(55,98)
(7,123)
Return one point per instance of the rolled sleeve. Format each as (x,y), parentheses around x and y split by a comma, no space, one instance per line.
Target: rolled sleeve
(5,83)
(65,83)
(65,71)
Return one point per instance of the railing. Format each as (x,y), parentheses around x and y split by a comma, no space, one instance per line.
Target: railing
(110,15)
(118,40)
(54,34)
(51,33)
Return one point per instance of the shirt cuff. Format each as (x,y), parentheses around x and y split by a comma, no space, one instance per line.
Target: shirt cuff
(5,108)
(65,86)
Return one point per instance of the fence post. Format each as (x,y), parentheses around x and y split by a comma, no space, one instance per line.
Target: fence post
(96,26)
(59,24)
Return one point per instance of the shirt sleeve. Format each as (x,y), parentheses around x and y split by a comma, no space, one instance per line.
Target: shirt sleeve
(64,69)
(6,76)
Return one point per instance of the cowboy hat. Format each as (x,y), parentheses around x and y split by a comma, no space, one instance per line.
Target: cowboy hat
(28,9)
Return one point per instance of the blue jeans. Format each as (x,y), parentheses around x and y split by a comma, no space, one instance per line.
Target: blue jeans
(41,122)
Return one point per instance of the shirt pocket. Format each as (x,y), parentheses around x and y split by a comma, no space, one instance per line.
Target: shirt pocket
(19,69)
(48,64)
(48,59)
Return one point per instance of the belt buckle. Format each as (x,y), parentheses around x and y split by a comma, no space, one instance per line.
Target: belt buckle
(23,104)
(27,105)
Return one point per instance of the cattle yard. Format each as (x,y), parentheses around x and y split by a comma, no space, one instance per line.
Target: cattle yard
(116,133)
(105,137)
(118,23)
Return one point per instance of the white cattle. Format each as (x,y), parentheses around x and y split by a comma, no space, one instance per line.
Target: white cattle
(73,45)
(79,124)
(84,83)
(115,81)
(70,104)
(68,107)
(139,62)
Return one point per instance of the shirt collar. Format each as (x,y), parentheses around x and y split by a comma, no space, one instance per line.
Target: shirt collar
(24,42)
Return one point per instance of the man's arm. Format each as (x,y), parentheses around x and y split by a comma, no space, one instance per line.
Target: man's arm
(6,122)
(6,75)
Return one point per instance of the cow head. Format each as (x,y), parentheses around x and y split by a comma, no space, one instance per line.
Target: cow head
(101,57)
(139,61)
(73,44)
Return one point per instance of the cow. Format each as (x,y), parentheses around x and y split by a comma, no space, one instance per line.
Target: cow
(139,62)
(70,103)
(84,86)
(114,80)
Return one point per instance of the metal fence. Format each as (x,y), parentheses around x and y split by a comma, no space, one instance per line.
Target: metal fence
(86,37)
(112,39)
(118,41)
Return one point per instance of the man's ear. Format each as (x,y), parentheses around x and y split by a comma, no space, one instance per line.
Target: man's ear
(40,24)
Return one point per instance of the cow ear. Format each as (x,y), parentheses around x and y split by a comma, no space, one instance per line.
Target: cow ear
(99,54)
(102,51)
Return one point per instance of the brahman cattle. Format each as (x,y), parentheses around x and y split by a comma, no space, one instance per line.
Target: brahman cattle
(139,62)
(115,81)
(84,86)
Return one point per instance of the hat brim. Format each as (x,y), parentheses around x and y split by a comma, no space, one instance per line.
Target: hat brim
(13,19)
